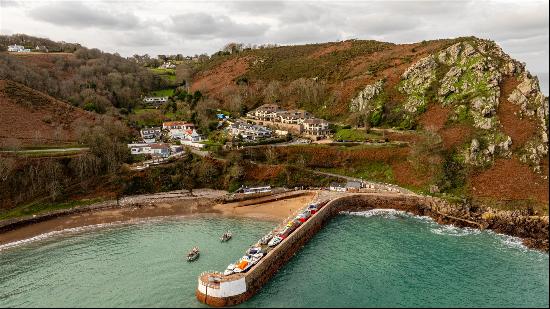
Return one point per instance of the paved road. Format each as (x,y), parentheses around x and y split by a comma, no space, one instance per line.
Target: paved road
(47,150)
(145,164)
(370,184)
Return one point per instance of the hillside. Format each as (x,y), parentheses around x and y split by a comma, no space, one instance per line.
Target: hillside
(30,117)
(476,112)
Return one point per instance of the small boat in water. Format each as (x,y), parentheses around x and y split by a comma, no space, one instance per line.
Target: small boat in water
(226,236)
(193,254)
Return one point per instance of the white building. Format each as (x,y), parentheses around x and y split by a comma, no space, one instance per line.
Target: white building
(294,116)
(315,126)
(266,112)
(18,48)
(249,132)
(156,150)
(256,190)
(150,135)
(167,65)
(155,100)
(337,187)
(181,130)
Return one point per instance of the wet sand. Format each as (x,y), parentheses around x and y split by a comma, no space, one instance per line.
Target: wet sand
(188,206)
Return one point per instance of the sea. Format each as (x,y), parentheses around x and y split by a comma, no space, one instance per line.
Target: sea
(377,258)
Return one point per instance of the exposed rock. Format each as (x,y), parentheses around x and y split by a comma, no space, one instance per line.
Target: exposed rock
(364,99)
(415,81)
(532,102)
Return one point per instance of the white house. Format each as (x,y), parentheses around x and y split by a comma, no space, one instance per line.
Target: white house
(150,135)
(167,65)
(315,126)
(294,116)
(337,187)
(156,150)
(181,130)
(249,131)
(18,48)
(155,100)
(180,125)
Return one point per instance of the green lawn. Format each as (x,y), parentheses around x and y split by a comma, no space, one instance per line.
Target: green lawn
(163,71)
(163,93)
(38,208)
(354,135)
(373,170)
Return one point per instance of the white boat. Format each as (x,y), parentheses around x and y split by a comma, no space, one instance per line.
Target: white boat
(266,239)
(274,241)
(226,236)
(229,270)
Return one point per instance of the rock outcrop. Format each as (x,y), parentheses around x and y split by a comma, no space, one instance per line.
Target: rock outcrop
(532,103)
(365,99)
(466,76)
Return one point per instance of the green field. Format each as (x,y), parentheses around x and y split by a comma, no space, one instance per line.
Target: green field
(38,208)
(370,170)
(354,135)
(163,93)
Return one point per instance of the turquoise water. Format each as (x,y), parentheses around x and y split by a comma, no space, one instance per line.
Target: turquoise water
(371,260)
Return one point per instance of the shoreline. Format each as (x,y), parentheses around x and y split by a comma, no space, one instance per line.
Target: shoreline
(151,206)
(274,207)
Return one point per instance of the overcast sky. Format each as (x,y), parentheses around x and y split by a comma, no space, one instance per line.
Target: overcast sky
(171,27)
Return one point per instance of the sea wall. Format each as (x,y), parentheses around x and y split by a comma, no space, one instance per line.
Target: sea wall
(258,275)
(535,229)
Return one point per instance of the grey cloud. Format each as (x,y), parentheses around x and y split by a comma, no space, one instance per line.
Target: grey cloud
(77,14)
(8,3)
(141,38)
(202,25)
(509,23)
(257,7)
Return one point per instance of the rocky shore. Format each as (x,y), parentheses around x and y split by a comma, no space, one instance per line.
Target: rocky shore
(533,230)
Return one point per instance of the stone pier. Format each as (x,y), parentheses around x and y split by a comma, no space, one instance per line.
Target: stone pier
(218,290)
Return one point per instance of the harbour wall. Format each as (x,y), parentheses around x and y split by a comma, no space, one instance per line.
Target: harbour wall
(438,209)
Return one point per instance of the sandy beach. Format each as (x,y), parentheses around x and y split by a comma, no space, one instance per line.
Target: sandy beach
(167,205)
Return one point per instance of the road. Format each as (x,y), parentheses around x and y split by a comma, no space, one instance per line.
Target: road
(369,184)
(49,150)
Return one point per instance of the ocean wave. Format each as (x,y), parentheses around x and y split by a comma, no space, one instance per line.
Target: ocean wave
(44,236)
(385,213)
(451,230)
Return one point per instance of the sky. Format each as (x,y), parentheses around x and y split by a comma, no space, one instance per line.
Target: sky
(156,27)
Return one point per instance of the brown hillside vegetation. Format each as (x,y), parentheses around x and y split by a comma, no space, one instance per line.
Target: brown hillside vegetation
(435,117)
(31,117)
(216,80)
(47,61)
(331,48)
(509,179)
(519,129)
(346,67)
(455,135)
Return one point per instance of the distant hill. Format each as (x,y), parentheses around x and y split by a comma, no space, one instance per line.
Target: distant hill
(30,117)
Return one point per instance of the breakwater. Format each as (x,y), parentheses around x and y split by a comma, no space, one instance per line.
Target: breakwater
(218,290)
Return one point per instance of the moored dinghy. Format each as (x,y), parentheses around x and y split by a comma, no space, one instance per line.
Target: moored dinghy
(193,254)
(226,236)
